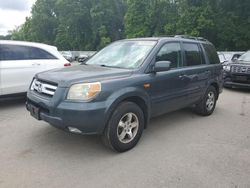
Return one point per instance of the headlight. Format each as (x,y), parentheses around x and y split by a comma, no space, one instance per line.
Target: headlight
(84,92)
(227,68)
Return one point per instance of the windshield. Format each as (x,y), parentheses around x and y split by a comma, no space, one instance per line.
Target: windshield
(245,57)
(123,54)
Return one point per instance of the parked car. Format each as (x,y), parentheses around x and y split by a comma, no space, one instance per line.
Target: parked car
(20,61)
(120,88)
(67,55)
(222,58)
(229,57)
(82,58)
(237,74)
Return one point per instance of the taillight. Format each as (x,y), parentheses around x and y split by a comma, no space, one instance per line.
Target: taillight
(67,64)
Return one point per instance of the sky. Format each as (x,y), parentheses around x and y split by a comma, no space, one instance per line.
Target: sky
(13,13)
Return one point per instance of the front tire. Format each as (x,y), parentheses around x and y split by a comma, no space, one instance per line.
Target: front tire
(125,127)
(208,103)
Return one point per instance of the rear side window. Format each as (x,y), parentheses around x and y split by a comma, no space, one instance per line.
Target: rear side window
(193,54)
(18,52)
(211,54)
(170,52)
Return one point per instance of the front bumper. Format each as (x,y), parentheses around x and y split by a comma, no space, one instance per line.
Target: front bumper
(236,84)
(89,118)
(230,80)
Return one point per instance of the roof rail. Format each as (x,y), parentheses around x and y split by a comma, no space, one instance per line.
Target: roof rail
(190,37)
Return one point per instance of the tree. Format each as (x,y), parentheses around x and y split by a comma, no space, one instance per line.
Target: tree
(92,24)
(44,22)
(137,19)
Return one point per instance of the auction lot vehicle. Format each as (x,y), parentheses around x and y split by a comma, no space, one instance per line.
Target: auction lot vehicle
(222,58)
(118,90)
(20,61)
(82,58)
(68,55)
(229,57)
(238,74)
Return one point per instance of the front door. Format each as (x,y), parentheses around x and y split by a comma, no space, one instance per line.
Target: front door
(168,88)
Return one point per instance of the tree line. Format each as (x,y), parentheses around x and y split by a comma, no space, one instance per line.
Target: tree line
(92,24)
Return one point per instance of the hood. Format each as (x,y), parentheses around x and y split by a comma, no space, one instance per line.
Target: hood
(82,73)
(247,63)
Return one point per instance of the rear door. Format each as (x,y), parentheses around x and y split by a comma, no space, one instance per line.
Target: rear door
(195,71)
(20,63)
(17,69)
(44,60)
(0,68)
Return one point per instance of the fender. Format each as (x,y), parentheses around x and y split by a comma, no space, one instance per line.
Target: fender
(116,98)
(218,81)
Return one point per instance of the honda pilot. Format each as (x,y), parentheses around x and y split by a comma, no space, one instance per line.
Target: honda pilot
(118,90)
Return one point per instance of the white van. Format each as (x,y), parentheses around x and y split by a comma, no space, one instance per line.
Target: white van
(20,61)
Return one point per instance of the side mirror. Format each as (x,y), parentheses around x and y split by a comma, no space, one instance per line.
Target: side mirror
(161,66)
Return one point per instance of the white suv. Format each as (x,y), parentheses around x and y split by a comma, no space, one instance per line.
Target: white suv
(20,61)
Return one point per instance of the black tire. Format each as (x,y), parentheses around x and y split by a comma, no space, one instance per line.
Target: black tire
(202,108)
(111,132)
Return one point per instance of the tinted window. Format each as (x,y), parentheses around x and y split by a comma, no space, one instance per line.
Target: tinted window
(193,54)
(18,52)
(212,54)
(170,52)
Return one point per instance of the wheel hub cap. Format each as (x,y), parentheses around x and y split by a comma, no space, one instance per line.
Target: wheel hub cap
(210,101)
(127,128)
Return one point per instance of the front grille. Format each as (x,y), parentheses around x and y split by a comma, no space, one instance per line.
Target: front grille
(43,88)
(240,69)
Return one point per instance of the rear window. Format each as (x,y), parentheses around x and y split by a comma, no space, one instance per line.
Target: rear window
(18,52)
(211,54)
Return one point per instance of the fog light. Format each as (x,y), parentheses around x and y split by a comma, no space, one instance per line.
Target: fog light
(74,130)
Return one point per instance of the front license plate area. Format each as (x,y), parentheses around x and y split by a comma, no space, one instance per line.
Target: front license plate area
(35,112)
(241,78)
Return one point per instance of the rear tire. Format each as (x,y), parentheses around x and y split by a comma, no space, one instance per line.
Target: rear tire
(125,127)
(208,103)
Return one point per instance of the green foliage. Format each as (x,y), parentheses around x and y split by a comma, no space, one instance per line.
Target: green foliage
(92,24)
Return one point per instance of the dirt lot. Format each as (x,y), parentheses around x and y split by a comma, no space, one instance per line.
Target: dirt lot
(179,149)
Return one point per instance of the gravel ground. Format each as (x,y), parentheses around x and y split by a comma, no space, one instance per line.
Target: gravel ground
(179,149)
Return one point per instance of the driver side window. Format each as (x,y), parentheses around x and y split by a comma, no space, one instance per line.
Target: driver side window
(170,52)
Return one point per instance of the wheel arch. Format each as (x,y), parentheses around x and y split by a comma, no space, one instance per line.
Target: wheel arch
(138,97)
(216,86)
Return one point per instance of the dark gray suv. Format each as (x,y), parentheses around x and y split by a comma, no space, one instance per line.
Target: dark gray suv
(118,90)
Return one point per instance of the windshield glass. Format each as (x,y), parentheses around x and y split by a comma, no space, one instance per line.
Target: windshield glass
(245,57)
(123,54)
